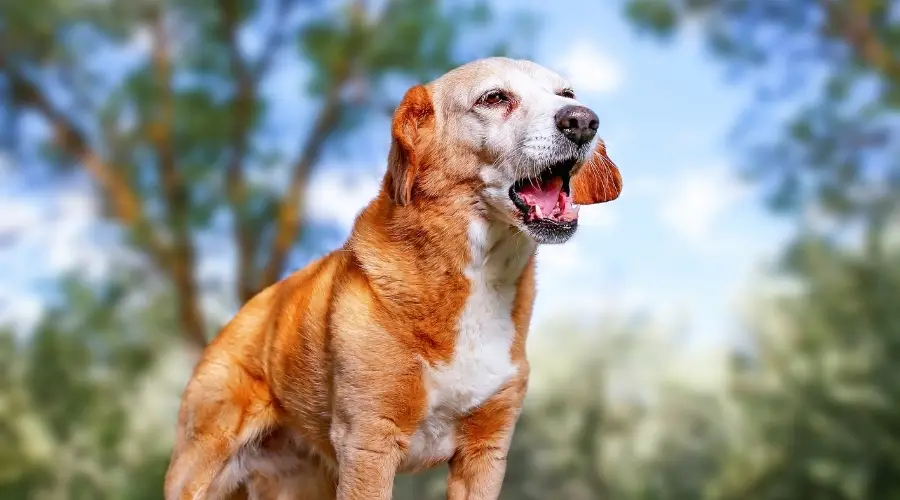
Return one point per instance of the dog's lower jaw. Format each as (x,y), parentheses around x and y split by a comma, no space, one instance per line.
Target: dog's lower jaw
(541,232)
(550,232)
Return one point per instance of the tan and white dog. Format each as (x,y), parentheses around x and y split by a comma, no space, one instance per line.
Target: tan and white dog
(405,348)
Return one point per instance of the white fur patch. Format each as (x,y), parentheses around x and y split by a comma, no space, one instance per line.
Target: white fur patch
(481,361)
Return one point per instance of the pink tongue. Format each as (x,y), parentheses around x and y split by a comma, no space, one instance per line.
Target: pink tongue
(545,195)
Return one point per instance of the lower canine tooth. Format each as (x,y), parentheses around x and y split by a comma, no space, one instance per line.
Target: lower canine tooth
(538,212)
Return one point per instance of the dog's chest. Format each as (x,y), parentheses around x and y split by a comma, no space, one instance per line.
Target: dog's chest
(481,361)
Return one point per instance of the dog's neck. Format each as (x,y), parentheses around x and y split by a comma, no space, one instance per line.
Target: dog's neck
(437,245)
(498,251)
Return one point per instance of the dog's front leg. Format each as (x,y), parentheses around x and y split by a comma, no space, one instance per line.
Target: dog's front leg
(479,464)
(369,452)
(376,408)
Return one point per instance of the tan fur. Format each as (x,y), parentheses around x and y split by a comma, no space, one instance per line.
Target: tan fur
(316,387)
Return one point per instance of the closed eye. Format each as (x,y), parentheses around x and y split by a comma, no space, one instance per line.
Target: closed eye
(567,93)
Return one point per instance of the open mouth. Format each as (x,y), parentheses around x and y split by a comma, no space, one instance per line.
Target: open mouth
(545,203)
(547,197)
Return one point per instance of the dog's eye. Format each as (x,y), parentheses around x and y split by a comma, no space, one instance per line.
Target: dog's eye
(567,93)
(493,97)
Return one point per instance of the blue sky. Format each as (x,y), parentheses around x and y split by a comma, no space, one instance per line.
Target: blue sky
(686,238)
(683,242)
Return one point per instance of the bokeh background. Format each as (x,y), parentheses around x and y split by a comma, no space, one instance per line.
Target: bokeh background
(729,328)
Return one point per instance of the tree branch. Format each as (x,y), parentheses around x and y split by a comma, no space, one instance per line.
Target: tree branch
(853,23)
(125,203)
(275,39)
(246,77)
(236,191)
(183,260)
(290,215)
(290,211)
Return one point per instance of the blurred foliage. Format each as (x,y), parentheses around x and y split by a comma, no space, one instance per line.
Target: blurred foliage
(163,104)
(172,137)
(820,399)
(816,394)
(828,74)
(73,396)
(167,108)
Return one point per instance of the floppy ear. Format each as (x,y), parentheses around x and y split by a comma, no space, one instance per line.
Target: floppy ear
(598,181)
(414,113)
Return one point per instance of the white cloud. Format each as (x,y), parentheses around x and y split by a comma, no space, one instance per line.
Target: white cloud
(338,197)
(53,229)
(644,185)
(17,215)
(68,239)
(140,42)
(20,310)
(572,286)
(556,260)
(589,69)
(48,234)
(697,202)
(598,217)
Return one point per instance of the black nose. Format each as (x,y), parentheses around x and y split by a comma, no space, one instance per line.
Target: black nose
(578,123)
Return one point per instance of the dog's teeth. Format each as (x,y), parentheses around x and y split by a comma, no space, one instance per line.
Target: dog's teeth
(538,212)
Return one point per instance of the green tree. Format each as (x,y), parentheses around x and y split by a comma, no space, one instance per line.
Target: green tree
(70,394)
(816,391)
(162,105)
(820,396)
(166,108)
(833,68)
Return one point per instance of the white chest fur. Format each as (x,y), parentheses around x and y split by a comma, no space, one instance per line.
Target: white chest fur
(481,361)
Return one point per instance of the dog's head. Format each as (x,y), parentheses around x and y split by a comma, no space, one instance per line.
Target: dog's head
(512,131)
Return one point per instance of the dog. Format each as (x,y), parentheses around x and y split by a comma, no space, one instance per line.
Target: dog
(405,348)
